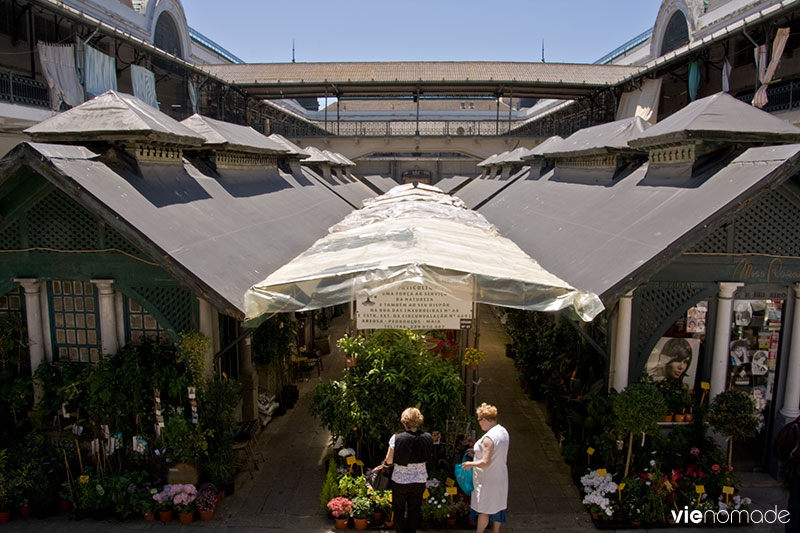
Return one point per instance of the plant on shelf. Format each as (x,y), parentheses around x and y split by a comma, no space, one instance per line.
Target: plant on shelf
(340,507)
(639,408)
(473,357)
(362,507)
(733,413)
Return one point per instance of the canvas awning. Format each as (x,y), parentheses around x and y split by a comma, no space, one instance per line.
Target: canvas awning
(420,235)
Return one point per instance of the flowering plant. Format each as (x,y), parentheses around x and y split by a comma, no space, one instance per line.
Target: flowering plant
(163,498)
(380,500)
(458,508)
(473,356)
(596,489)
(340,507)
(362,507)
(183,497)
(206,497)
(436,507)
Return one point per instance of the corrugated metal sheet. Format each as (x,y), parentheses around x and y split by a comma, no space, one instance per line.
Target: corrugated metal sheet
(227,231)
(598,236)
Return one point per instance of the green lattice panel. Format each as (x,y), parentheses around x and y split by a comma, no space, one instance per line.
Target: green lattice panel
(116,241)
(10,238)
(768,226)
(174,303)
(656,305)
(60,223)
(715,243)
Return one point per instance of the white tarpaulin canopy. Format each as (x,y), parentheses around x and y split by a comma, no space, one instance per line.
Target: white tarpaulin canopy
(415,234)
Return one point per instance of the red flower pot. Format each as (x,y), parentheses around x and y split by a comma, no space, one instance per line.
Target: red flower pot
(360,523)
(24,511)
(341,523)
(63,505)
(186,518)
(165,516)
(205,516)
(5,516)
(452,521)
(149,516)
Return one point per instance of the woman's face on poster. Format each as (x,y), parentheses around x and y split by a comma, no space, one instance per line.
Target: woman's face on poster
(676,368)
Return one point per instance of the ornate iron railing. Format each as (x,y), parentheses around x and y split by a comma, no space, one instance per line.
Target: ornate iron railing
(403,128)
(22,90)
(780,97)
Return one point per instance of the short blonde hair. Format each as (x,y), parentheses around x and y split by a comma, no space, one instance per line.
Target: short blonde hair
(486,411)
(412,418)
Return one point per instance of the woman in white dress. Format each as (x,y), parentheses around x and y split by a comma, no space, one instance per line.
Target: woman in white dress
(490,474)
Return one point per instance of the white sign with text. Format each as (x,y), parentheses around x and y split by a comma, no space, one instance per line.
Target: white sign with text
(413,306)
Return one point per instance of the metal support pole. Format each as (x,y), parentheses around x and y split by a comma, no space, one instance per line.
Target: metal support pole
(497,123)
(326,111)
(338,99)
(416,97)
(510,103)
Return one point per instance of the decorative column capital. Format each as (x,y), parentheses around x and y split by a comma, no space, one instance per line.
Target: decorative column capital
(628,295)
(796,288)
(728,288)
(103,285)
(31,285)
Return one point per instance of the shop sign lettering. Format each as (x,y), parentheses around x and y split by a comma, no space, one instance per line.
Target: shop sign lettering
(413,306)
(774,271)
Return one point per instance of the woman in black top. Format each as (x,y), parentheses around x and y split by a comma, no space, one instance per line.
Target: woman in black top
(408,452)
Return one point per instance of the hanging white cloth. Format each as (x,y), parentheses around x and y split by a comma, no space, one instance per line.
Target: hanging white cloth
(642,102)
(194,95)
(58,67)
(765,76)
(726,76)
(100,72)
(144,85)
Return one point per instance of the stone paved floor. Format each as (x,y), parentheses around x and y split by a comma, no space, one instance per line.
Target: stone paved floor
(283,494)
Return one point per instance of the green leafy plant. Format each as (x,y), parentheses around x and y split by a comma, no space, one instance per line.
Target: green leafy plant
(362,507)
(330,487)
(639,408)
(733,413)
(193,347)
(186,442)
(394,369)
(218,401)
(274,338)
(473,356)
(351,487)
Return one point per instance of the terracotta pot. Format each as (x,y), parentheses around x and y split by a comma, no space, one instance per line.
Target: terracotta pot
(341,523)
(24,511)
(349,362)
(220,496)
(688,417)
(5,516)
(63,505)
(205,516)
(473,366)
(186,518)
(165,516)
(377,516)
(452,521)
(680,418)
(149,516)
(389,524)
(360,523)
(668,418)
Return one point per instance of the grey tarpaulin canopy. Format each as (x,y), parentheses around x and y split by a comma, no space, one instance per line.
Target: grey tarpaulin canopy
(418,235)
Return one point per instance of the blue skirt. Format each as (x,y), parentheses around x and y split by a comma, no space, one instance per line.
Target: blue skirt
(499,516)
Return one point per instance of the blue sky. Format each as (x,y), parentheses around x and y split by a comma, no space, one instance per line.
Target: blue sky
(574,31)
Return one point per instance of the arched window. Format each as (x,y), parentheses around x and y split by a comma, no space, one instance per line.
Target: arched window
(167,37)
(676,34)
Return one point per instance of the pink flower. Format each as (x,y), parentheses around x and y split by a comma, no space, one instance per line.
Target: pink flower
(715,468)
(695,451)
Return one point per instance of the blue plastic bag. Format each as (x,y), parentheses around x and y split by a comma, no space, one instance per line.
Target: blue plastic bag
(464,477)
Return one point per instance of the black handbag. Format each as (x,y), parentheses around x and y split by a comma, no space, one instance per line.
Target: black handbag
(381,479)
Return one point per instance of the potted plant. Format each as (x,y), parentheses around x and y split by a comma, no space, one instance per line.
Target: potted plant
(435,508)
(362,509)
(733,413)
(638,408)
(598,491)
(206,501)
(340,507)
(163,501)
(186,445)
(458,511)
(5,513)
(183,497)
(473,357)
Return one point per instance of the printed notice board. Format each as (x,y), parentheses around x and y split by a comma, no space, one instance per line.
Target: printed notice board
(413,306)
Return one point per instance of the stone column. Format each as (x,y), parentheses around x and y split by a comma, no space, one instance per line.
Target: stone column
(791,396)
(107,311)
(207,316)
(248,377)
(722,337)
(505,171)
(622,347)
(33,315)
(119,308)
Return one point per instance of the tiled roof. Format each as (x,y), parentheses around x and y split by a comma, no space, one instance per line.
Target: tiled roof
(432,77)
